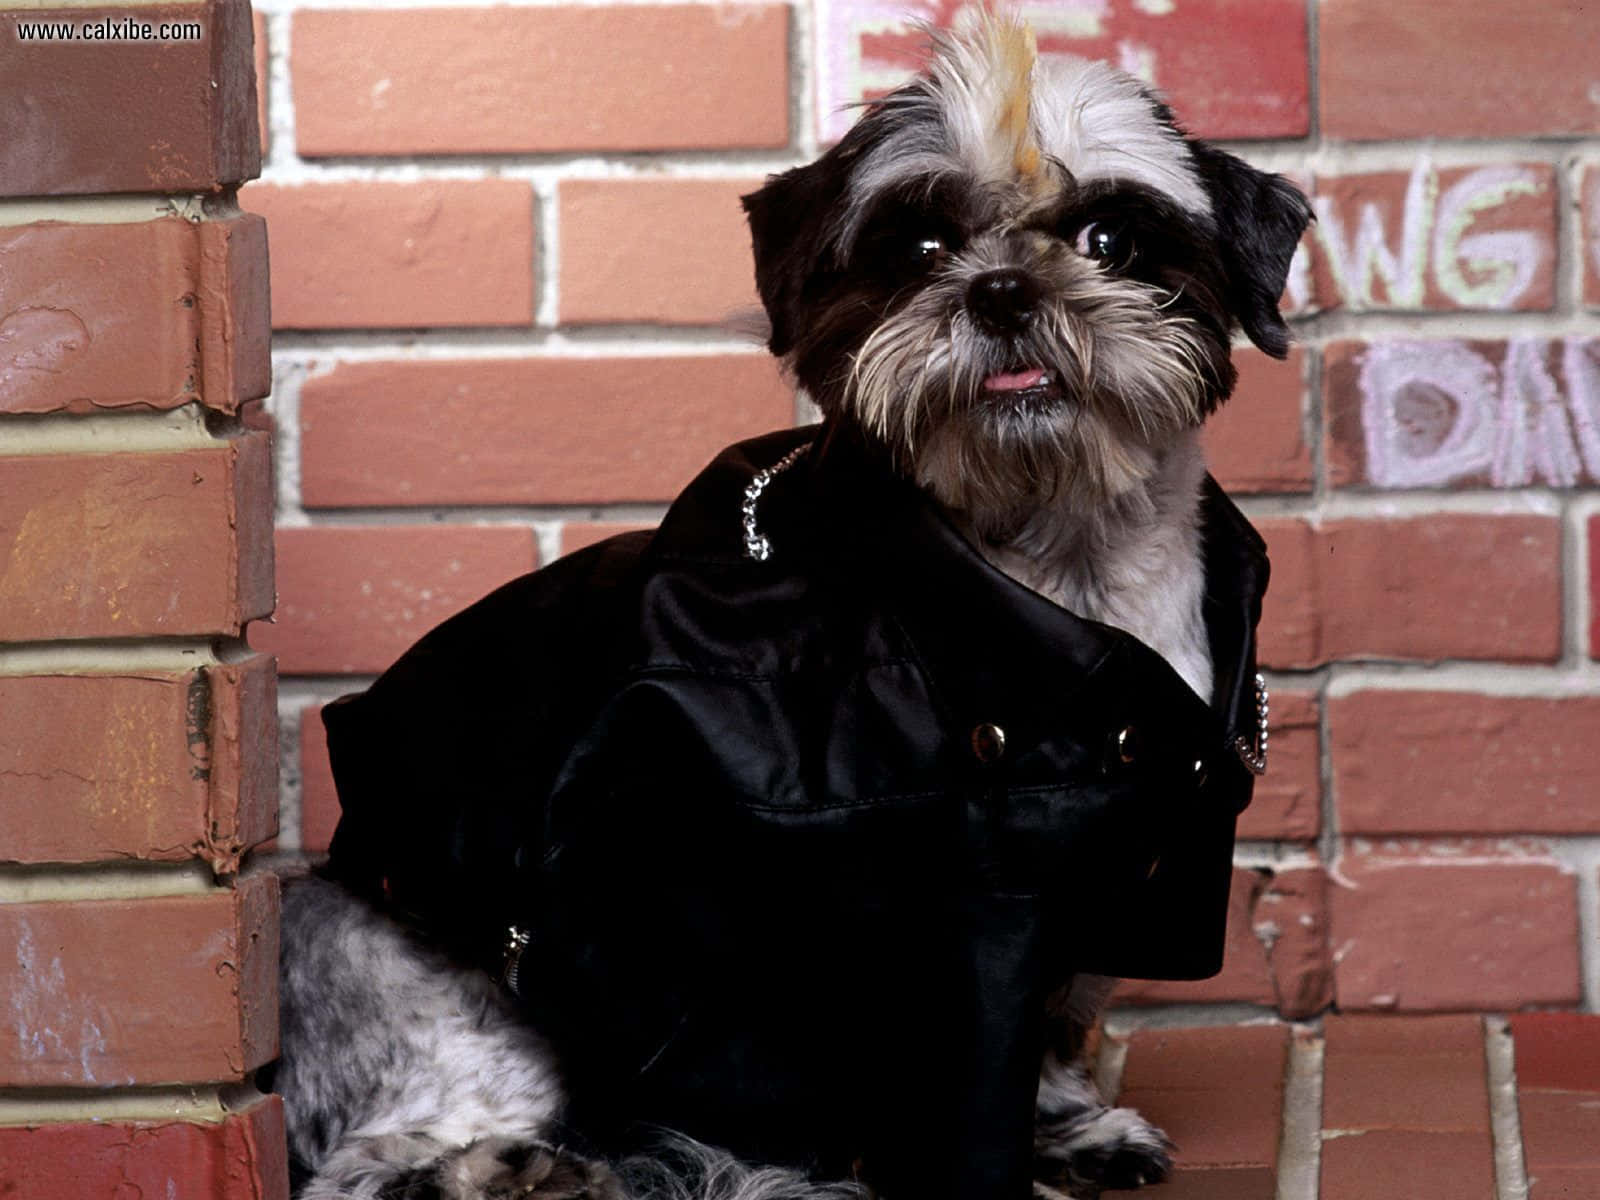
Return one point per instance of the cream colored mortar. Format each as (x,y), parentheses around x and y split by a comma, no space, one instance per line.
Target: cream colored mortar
(1300,1145)
(101,210)
(92,657)
(124,1104)
(1510,1172)
(107,433)
(103,881)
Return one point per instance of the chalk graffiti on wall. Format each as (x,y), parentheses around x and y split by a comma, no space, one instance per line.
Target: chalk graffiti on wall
(1463,238)
(1231,70)
(868,47)
(1520,413)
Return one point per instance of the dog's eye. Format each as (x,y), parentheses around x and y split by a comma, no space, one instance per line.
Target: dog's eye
(1105,242)
(928,251)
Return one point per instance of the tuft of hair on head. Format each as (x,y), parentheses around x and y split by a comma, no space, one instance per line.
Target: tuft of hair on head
(1015,56)
(989,62)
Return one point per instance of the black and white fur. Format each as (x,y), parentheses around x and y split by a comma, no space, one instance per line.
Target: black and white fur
(1021,278)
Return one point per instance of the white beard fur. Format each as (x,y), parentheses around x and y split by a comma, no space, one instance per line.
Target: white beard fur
(1133,562)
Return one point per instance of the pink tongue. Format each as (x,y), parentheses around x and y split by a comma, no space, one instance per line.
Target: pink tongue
(1012,383)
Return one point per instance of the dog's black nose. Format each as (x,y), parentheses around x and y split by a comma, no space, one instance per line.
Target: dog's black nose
(1003,301)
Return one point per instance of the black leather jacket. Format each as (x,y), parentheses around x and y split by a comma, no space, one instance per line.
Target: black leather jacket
(787,892)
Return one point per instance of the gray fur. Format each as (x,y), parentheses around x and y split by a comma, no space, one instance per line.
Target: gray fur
(401,1071)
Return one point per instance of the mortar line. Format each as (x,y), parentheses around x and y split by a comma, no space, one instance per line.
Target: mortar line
(547,251)
(1300,1145)
(1510,1171)
(35,1106)
(125,432)
(290,774)
(280,95)
(105,656)
(54,882)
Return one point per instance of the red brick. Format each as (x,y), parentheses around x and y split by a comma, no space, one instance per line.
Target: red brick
(1287,805)
(1425,414)
(540,80)
(1564,1183)
(170,989)
(71,128)
(661,251)
(1456,68)
(1218,1093)
(130,545)
(1256,441)
(374,255)
(154,314)
(1557,1051)
(319,799)
(159,767)
(1414,1073)
(1294,911)
(1415,935)
(1231,70)
(575,535)
(352,598)
(1458,762)
(240,1157)
(1479,237)
(1218,1183)
(1395,588)
(528,430)
(1560,1129)
(1418,1166)
(1589,234)
(1276,954)
(262,62)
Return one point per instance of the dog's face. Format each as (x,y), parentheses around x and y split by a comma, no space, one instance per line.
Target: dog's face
(1020,276)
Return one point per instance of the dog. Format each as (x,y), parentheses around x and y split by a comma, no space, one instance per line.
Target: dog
(1011,289)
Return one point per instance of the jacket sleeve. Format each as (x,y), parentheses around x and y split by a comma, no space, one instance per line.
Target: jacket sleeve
(442,765)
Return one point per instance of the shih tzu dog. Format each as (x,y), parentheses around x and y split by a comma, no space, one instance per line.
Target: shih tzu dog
(1011,289)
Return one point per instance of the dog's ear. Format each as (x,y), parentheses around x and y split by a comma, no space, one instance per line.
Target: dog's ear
(1260,218)
(789,232)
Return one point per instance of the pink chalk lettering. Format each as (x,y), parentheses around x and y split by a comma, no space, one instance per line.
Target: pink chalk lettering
(1422,413)
(1436,413)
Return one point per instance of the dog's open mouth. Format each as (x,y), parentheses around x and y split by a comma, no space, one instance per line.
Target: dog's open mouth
(1032,387)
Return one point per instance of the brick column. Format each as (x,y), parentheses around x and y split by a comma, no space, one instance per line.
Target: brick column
(138,949)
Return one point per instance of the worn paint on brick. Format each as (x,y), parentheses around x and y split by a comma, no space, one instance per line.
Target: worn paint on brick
(1230,70)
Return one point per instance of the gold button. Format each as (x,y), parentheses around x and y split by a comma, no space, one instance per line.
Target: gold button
(1128,744)
(988,742)
(1200,774)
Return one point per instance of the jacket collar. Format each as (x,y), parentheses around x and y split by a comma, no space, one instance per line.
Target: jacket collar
(990,643)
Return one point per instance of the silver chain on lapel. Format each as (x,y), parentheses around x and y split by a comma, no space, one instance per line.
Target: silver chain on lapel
(1256,757)
(756,545)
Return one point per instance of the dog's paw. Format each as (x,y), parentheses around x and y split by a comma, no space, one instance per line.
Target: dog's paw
(511,1169)
(1110,1149)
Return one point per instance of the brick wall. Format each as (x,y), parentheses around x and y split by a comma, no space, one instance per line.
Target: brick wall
(499,276)
(138,758)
